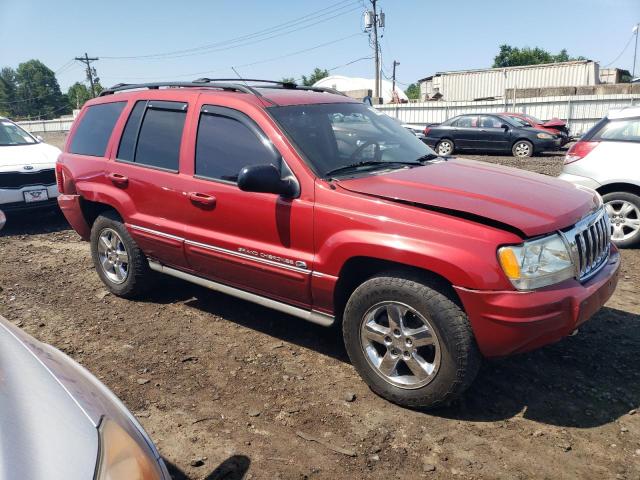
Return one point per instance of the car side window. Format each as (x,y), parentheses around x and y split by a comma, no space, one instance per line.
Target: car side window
(620,130)
(153,134)
(95,128)
(466,122)
(489,122)
(228,141)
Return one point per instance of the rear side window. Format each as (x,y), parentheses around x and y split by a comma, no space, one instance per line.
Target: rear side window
(466,122)
(624,130)
(153,134)
(227,143)
(95,128)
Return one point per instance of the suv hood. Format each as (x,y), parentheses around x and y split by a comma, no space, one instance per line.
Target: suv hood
(531,203)
(38,154)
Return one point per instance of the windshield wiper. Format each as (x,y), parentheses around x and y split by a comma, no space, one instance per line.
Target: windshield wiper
(368,163)
(428,157)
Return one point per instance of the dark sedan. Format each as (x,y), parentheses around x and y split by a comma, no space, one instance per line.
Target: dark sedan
(489,133)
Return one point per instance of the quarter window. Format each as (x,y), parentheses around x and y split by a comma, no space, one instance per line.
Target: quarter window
(95,128)
(225,145)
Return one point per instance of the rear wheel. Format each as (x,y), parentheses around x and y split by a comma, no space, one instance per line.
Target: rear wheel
(409,342)
(522,149)
(445,147)
(623,209)
(120,263)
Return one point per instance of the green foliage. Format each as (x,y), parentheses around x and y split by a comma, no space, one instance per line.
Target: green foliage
(413,91)
(513,56)
(7,91)
(37,93)
(317,74)
(78,94)
(288,80)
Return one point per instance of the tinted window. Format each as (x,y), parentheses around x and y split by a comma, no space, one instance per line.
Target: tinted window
(466,122)
(93,132)
(160,136)
(490,122)
(130,134)
(226,145)
(620,130)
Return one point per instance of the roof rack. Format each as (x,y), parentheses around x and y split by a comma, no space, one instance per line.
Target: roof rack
(228,84)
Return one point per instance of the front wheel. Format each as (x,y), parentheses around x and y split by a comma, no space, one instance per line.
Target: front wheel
(623,209)
(409,342)
(522,149)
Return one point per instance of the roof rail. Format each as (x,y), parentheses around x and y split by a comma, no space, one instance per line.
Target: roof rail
(229,84)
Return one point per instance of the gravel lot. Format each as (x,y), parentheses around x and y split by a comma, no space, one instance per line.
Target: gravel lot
(227,388)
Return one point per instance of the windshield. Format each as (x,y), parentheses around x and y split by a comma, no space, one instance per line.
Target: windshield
(338,136)
(11,134)
(516,121)
(533,119)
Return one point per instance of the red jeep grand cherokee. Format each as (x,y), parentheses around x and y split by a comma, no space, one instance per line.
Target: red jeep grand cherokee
(321,207)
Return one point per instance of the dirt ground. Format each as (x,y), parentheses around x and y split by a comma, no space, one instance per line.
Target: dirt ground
(227,388)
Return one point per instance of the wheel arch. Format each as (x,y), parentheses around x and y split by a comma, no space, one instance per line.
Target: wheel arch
(619,187)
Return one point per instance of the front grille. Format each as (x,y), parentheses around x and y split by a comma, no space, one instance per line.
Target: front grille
(589,243)
(27,179)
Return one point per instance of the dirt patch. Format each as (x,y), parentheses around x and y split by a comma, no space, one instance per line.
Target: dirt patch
(226,387)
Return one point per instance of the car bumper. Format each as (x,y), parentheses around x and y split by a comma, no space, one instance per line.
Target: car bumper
(548,145)
(12,199)
(72,210)
(579,180)
(508,322)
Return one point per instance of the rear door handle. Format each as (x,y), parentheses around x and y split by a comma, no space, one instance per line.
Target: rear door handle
(119,180)
(202,199)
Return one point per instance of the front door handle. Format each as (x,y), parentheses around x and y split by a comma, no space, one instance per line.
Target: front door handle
(202,199)
(118,180)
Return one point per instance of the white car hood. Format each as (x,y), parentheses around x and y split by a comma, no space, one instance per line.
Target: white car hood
(16,157)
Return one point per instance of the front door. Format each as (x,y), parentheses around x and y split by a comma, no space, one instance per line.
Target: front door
(254,241)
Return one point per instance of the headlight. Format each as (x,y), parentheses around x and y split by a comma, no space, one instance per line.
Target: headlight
(122,457)
(544,136)
(537,263)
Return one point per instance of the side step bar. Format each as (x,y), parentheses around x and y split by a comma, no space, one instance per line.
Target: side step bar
(313,316)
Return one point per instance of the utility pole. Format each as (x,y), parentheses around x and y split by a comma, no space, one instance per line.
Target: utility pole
(393,89)
(91,72)
(373,21)
(635,51)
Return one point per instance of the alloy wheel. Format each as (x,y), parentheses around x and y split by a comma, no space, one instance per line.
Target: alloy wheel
(624,217)
(522,149)
(445,147)
(113,256)
(400,344)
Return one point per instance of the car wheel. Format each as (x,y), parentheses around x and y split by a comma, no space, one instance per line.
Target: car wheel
(445,147)
(522,149)
(409,342)
(120,263)
(624,214)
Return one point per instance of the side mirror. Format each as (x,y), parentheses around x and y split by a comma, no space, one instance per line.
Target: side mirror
(266,179)
(505,126)
(39,138)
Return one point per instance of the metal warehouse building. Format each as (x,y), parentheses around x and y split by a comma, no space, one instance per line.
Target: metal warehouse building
(493,82)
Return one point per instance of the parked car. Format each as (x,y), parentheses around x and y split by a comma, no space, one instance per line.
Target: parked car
(27,169)
(489,133)
(555,126)
(606,159)
(318,206)
(57,421)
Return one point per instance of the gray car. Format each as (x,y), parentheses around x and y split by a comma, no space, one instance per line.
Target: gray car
(57,421)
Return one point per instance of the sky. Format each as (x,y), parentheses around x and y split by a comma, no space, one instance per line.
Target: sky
(289,38)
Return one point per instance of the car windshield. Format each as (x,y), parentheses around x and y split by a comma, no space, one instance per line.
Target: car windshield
(11,134)
(533,119)
(517,121)
(338,138)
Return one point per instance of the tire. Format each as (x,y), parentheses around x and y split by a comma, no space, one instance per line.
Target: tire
(522,149)
(624,213)
(445,147)
(453,355)
(136,275)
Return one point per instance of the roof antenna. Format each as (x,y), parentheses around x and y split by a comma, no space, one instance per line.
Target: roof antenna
(260,98)
(242,79)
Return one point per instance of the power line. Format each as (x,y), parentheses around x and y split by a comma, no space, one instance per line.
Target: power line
(252,38)
(622,52)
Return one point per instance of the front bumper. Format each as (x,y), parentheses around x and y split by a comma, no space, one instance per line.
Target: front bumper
(508,322)
(12,199)
(548,145)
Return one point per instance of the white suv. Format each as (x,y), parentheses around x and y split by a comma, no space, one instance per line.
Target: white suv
(607,159)
(27,169)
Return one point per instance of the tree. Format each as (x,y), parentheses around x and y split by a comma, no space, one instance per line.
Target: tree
(318,74)
(78,94)
(413,92)
(7,91)
(513,56)
(288,80)
(37,92)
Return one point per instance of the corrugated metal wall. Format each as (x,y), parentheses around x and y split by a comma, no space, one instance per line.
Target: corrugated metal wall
(581,111)
(469,85)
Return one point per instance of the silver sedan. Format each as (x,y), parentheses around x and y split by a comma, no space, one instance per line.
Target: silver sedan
(57,421)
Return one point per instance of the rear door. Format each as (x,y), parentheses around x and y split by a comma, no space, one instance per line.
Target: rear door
(254,241)
(465,131)
(146,170)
